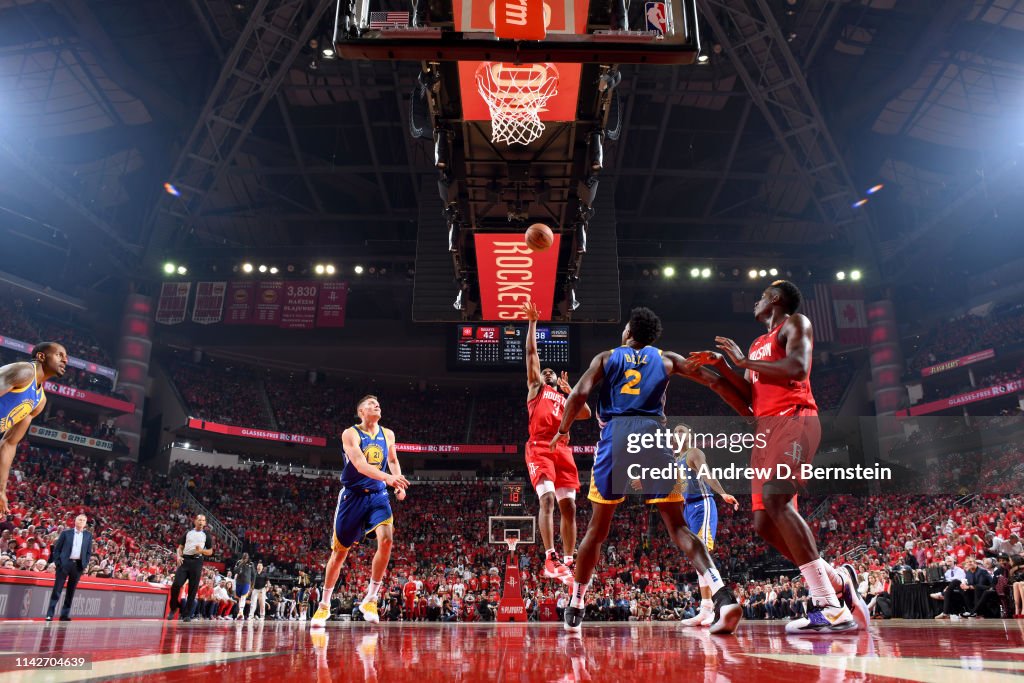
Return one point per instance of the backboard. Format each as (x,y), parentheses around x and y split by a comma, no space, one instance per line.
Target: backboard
(522,31)
(520,528)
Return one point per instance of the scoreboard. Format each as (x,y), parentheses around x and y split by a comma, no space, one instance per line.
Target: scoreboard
(482,346)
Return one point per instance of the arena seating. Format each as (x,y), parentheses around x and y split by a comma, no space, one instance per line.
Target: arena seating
(954,338)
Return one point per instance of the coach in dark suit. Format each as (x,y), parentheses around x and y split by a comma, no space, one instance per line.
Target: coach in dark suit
(71,554)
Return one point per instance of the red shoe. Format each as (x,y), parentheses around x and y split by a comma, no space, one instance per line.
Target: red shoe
(553,568)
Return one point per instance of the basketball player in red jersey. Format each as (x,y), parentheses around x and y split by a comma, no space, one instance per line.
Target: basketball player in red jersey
(553,475)
(776,381)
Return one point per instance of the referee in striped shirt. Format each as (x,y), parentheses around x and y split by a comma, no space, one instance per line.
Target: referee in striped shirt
(193,547)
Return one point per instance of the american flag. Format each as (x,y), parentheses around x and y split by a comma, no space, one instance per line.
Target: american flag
(379,20)
(819,310)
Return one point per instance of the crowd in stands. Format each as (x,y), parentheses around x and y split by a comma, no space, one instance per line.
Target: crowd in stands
(223,393)
(442,542)
(1003,326)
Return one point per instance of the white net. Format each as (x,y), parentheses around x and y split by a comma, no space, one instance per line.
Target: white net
(515,95)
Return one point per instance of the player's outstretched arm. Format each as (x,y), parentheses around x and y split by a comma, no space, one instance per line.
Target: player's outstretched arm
(796,366)
(533,376)
(579,396)
(350,442)
(393,466)
(693,370)
(696,460)
(16,376)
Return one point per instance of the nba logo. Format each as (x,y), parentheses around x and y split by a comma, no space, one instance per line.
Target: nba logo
(657,17)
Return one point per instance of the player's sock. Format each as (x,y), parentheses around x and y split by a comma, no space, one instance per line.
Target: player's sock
(713,580)
(550,554)
(819,584)
(567,560)
(707,605)
(834,577)
(373,591)
(579,592)
(326,599)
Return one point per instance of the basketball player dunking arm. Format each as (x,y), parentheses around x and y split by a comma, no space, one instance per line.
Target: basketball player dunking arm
(634,378)
(21,399)
(553,475)
(371,465)
(776,383)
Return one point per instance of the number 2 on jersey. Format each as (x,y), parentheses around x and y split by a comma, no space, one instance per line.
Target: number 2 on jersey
(631,387)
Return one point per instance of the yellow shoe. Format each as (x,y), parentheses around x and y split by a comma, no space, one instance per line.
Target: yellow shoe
(319,619)
(369,610)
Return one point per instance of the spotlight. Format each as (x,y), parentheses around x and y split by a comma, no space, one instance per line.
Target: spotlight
(262,268)
(855,275)
(876,188)
(273,270)
(646,273)
(752,274)
(291,268)
(319,269)
(694,272)
(169,268)
(703,58)
(669,271)
(182,270)
(329,269)
(705,273)
(840,275)
(328,53)
(171,190)
(359,270)
(654,272)
(247,267)
(773,272)
(762,272)
(860,202)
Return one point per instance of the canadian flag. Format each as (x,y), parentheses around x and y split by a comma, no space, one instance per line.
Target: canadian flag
(850,317)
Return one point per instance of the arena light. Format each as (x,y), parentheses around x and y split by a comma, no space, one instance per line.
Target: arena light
(860,202)
(319,269)
(669,271)
(762,272)
(171,190)
(773,272)
(246,267)
(705,273)
(262,268)
(329,269)
(841,275)
(169,268)
(359,270)
(695,272)
(182,270)
(855,275)
(876,188)
(273,270)
(752,274)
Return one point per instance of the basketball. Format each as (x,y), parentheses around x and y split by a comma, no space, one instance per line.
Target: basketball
(539,237)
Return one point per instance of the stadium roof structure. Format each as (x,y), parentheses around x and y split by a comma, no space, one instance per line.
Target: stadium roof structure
(803,106)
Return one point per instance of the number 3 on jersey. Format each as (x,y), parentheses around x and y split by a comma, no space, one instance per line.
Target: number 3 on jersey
(630,387)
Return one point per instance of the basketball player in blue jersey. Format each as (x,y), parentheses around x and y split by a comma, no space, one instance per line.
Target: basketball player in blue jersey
(21,399)
(632,406)
(371,465)
(701,513)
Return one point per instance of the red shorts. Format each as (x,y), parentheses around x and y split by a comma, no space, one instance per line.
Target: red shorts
(557,467)
(791,441)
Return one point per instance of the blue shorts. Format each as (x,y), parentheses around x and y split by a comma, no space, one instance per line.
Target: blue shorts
(358,514)
(241,589)
(620,455)
(702,517)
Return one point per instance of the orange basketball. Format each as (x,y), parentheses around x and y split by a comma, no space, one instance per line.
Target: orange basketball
(539,237)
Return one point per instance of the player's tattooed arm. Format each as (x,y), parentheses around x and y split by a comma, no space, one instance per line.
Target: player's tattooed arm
(533,376)
(579,396)
(16,376)
(350,442)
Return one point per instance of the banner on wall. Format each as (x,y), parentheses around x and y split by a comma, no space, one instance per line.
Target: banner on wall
(173,302)
(958,362)
(241,299)
(87,365)
(209,304)
(331,305)
(89,397)
(269,297)
(511,274)
(298,311)
(74,439)
(1004,389)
